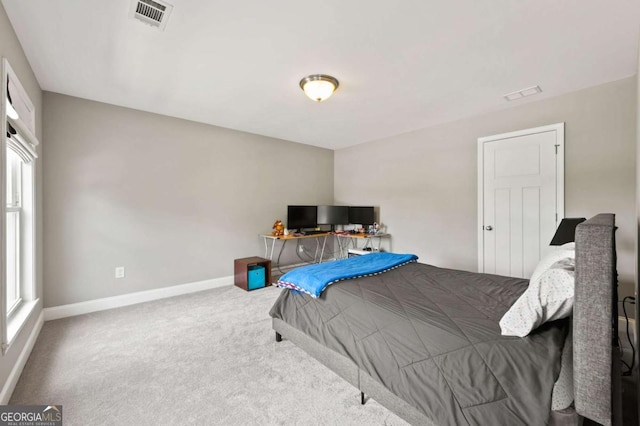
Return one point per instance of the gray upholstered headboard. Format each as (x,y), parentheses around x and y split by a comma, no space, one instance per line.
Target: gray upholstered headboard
(596,356)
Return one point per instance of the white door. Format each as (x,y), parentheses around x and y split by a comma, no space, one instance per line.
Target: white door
(521,198)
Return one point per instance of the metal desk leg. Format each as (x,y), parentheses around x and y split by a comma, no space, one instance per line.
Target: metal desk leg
(284,242)
(268,255)
(345,243)
(298,251)
(266,247)
(324,242)
(315,255)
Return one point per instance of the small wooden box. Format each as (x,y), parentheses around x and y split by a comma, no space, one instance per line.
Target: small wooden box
(241,270)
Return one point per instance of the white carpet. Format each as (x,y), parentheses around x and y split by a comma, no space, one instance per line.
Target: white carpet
(207,358)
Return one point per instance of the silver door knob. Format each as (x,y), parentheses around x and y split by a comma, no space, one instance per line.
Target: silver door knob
(488,228)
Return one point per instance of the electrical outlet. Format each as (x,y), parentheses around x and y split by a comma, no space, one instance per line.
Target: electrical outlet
(300,249)
(120,272)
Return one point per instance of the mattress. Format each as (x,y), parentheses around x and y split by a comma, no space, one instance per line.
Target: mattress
(431,336)
(562,396)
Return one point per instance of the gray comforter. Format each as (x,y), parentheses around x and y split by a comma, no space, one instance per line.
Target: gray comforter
(431,336)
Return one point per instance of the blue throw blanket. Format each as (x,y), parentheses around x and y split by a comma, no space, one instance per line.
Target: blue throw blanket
(314,279)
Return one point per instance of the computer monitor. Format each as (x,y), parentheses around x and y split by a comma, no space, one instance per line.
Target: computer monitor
(333,215)
(299,217)
(361,215)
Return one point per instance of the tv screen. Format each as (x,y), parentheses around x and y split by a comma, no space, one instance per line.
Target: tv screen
(333,215)
(361,215)
(302,217)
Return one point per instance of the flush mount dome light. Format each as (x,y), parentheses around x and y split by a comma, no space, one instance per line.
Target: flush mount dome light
(319,87)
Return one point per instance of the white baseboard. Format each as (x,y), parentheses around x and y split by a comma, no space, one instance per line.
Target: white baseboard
(80,308)
(16,371)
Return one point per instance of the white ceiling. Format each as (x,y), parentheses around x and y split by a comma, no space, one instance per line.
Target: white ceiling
(402,65)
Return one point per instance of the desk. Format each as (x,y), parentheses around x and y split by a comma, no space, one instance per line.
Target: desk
(268,251)
(346,241)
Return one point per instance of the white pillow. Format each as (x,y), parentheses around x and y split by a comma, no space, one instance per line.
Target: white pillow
(548,298)
(562,252)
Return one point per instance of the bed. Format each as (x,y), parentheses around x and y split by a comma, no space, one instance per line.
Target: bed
(425,342)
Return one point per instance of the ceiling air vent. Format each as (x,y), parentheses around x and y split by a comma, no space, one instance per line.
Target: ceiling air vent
(523,93)
(154,13)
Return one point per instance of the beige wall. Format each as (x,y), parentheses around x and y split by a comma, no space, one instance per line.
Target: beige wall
(11,49)
(173,201)
(425,182)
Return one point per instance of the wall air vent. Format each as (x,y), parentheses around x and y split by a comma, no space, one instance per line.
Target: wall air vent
(154,13)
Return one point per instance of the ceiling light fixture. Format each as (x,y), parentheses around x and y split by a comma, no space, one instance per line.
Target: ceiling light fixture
(319,87)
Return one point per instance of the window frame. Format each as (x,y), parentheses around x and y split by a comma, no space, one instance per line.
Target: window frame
(24,143)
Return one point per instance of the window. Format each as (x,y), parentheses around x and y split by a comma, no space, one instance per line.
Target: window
(18,155)
(14,210)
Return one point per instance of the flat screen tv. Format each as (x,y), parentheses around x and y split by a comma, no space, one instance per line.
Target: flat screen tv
(333,215)
(361,215)
(299,217)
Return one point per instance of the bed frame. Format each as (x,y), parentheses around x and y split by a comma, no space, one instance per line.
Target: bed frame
(596,356)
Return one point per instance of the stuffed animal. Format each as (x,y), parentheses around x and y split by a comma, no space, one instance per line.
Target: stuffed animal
(278,228)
